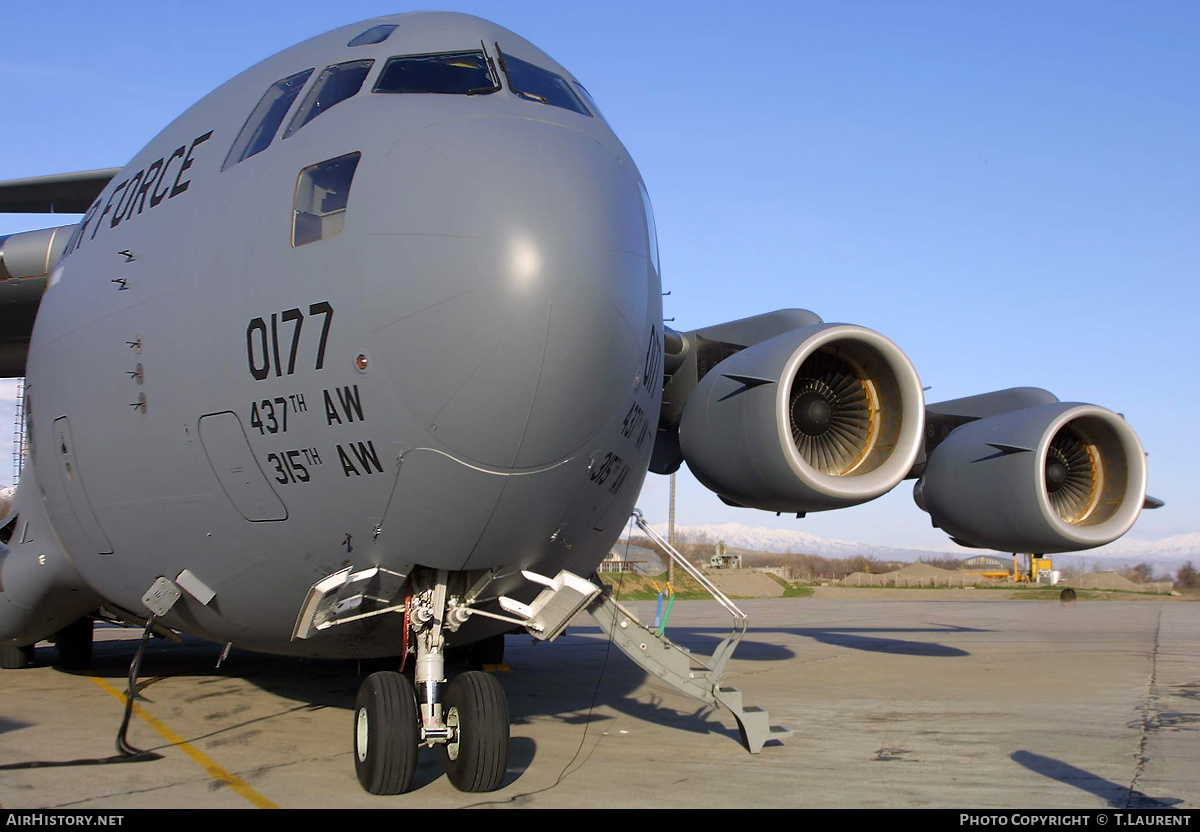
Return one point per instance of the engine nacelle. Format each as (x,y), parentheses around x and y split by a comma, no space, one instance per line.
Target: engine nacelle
(32,254)
(1058,477)
(26,260)
(820,417)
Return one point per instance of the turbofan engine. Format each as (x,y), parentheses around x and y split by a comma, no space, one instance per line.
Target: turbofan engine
(819,417)
(1057,477)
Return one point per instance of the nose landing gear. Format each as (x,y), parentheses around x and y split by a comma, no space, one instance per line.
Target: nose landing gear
(468,718)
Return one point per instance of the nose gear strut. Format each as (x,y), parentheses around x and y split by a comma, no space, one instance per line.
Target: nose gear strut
(468,717)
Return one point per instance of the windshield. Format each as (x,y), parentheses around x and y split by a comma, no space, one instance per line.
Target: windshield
(536,84)
(448,73)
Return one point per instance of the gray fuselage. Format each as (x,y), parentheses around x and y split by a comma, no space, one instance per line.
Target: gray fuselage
(466,377)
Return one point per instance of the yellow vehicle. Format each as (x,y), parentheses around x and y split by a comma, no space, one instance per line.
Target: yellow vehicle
(1037,565)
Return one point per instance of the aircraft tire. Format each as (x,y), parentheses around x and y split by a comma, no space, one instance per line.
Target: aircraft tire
(385,733)
(13,657)
(478,757)
(75,645)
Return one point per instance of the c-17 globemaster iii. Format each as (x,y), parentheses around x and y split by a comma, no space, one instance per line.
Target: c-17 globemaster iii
(363,356)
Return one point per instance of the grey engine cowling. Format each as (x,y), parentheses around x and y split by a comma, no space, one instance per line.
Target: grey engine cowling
(819,417)
(1057,477)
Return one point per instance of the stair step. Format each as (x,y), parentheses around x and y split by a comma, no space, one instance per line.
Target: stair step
(676,666)
(731,698)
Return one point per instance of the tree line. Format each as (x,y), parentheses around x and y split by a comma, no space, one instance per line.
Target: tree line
(698,547)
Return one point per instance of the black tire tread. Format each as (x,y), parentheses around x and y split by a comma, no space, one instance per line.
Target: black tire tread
(391,705)
(483,721)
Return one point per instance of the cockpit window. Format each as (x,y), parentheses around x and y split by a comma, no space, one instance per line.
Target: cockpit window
(448,73)
(541,85)
(587,96)
(651,228)
(259,129)
(376,34)
(336,84)
(322,194)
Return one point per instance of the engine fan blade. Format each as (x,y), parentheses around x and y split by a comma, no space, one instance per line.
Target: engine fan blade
(832,417)
(1071,475)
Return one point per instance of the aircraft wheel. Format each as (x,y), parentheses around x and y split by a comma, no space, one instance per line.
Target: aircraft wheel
(386,731)
(75,645)
(13,657)
(477,755)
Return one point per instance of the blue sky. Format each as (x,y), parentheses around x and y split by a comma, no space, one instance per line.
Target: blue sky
(1008,191)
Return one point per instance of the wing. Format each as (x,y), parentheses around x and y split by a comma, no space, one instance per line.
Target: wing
(59,193)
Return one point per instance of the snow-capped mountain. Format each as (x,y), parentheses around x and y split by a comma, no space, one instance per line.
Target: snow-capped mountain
(1167,554)
(1180,546)
(739,536)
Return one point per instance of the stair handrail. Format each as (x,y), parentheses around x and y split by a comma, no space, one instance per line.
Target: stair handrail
(725,649)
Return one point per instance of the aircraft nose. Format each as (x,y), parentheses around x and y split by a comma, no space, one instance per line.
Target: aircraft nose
(510,289)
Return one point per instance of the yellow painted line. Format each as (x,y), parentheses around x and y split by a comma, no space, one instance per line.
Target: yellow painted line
(216,772)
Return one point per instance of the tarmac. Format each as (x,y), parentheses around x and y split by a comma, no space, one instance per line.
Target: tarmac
(894,703)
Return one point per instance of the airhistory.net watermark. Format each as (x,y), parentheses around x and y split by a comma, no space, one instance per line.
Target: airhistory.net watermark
(61,819)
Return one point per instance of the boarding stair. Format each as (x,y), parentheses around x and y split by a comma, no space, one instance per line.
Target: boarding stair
(697,676)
